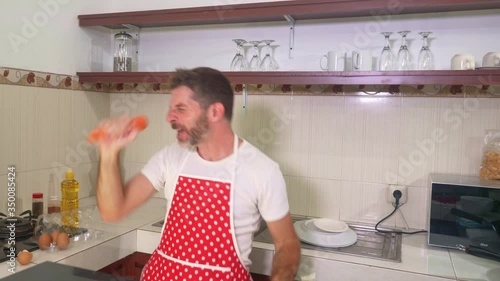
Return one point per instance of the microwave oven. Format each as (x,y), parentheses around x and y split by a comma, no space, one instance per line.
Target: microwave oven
(465,214)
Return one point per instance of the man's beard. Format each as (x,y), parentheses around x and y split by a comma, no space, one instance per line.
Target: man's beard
(197,133)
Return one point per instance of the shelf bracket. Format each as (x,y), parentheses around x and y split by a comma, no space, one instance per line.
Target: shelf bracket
(245,94)
(291,40)
(137,35)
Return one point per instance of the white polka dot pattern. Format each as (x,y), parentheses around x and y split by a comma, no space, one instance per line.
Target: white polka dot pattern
(197,232)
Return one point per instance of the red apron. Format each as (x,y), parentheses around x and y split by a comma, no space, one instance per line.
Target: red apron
(198,241)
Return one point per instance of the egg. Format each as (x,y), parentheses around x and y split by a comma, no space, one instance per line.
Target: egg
(54,235)
(44,241)
(62,241)
(24,257)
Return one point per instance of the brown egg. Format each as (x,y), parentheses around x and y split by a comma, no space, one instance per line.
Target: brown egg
(24,257)
(54,235)
(62,241)
(44,241)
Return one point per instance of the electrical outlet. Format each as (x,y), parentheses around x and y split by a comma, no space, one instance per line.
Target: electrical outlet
(404,194)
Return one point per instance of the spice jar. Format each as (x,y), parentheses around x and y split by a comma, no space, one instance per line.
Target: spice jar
(37,205)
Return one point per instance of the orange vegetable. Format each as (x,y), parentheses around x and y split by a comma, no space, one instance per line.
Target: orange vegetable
(139,123)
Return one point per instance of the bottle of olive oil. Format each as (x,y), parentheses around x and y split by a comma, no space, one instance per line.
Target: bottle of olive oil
(69,200)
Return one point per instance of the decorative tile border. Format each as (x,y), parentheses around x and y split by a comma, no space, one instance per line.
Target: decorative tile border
(22,77)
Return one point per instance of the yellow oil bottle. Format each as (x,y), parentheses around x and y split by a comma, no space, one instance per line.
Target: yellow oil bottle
(69,200)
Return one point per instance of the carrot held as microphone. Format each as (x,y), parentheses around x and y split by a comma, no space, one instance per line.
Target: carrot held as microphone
(138,123)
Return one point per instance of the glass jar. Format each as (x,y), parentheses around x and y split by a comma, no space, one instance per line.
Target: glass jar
(122,61)
(37,205)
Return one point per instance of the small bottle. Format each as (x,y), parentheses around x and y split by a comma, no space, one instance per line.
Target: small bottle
(69,200)
(37,205)
(54,205)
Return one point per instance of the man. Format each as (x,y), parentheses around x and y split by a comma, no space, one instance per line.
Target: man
(218,187)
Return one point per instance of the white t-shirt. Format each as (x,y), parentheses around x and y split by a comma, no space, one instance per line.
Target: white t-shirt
(259,188)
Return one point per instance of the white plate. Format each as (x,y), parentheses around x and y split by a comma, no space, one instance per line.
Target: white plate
(309,233)
(330,225)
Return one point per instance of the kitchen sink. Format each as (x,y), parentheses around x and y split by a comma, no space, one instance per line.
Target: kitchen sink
(370,243)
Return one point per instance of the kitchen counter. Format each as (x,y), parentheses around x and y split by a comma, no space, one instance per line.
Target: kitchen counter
(112,241)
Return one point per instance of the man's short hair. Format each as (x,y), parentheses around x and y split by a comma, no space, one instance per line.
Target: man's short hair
(209,86)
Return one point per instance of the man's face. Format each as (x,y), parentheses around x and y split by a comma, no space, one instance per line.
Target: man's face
(187,117)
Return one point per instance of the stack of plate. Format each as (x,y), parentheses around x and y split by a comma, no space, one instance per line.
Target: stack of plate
(325,232)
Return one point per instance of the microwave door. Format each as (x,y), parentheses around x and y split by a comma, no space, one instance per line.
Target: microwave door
(491,220)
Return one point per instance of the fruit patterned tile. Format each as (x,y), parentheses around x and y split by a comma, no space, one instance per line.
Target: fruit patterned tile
(93,87)
(372,90)
(263,89)
(482,91)
(156,88)
(51,80)
(317,90)
(18,77)
(457,91)
(76,85)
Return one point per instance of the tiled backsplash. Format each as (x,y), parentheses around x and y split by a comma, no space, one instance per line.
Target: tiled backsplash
(339,153)
(338,147)
(44,122)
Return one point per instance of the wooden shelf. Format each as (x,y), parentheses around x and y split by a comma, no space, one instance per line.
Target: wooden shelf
(274,11)
(444,77)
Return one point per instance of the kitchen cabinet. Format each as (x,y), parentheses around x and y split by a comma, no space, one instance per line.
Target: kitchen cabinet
(131,266)
(291,11)
(128,267)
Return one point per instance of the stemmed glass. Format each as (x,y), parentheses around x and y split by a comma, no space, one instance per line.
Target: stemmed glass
(425,61)
(239,62)
(268,62)
(404,59)
(254,64)
(386,58)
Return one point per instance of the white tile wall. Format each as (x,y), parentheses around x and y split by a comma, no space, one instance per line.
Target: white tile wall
(327,131)
(417,145)
(450,120)
(337,153)
(44,131)
(484,115)
(371,136)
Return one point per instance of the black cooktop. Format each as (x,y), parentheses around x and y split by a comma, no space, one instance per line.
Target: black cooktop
(29,244)
(50,271)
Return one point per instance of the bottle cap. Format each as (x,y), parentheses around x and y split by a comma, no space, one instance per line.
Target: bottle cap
(70,174)
(37,195)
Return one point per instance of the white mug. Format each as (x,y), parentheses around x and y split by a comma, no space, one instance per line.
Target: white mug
(491,59)
(463,62)
(335,61)
(362,60)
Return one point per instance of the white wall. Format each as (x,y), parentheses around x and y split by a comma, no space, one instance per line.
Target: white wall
(168,48)
(132,5)
(44,35)
(60,45)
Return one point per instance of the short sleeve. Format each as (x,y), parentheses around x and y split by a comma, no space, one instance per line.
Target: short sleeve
(273,200)
(154,170)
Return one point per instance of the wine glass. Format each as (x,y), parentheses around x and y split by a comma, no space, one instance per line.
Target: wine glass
(386,57)
(425,61)
(239,62)
(404,59)
(268,62)
(254,64)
